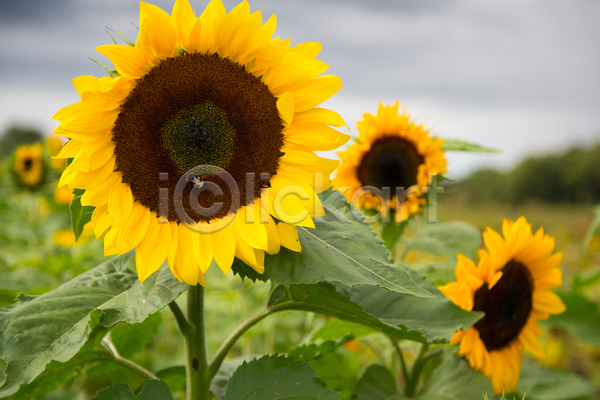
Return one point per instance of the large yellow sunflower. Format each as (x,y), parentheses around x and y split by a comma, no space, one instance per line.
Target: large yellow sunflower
(28,165)
(511,284)
(393,154)
(213,90)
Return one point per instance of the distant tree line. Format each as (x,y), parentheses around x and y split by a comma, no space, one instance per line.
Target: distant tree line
(572,177)
(15,136)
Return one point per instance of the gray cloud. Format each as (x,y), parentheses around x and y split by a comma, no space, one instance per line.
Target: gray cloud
(503,73)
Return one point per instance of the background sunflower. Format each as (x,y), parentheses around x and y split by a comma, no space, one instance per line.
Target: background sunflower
(511,284)
(393,153)
(28,166)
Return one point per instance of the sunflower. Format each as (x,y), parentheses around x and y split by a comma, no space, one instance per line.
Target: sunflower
(511,284)
(391,153)
(28,165)
(197,106)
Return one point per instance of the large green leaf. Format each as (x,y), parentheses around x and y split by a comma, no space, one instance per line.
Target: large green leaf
(80,215)
(55,325)
(342,248)
(277,377)
(582,318)
(322,298)
(435,318)
(398,315)
(547,384)
(377,383)
(152,390)
(453,379)
(461,145)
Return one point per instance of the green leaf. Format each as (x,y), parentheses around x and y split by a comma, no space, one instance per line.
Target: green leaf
(445,238)
(155,390)
(57,374)
(277,377)
(118,391)
(152,390)
(310,351)
(80,215)
(218,385)
(335,329)
(461,145)
(453,379)
(322,298)
(582,318)
(434,318)
(131,339)
(377,383)
(340,372)
(55,325)
(547,384)
(342,248)
(175,377)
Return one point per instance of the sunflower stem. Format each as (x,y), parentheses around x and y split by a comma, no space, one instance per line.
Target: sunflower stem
(401,359)
(415,373)
(198,384)
(216,362)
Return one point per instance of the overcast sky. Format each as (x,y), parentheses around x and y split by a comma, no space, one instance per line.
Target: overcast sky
(521,76)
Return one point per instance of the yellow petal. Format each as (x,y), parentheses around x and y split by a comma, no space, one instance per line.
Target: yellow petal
(203,251)
(272,236)
(128,61)
(98,194)
(184,18)
(288,235)
(210,19)
(101,221)
(153,249)
(530,341)
(224,246)
(249,229)
(285,105)
(548,302)
(158,35)
(84,83)
(320,116)
(316,92)
(185,262)
(174,228)
(134,228)
(120,203)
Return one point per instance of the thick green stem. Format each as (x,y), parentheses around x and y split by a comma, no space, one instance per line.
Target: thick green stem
(415,374)
(198,384)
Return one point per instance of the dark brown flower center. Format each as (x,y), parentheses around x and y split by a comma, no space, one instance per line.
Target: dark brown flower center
(193,110)
(507,306)
(27,163)
(392,162)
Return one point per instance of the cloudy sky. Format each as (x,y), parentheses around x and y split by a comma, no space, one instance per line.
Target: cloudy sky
(520,76)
